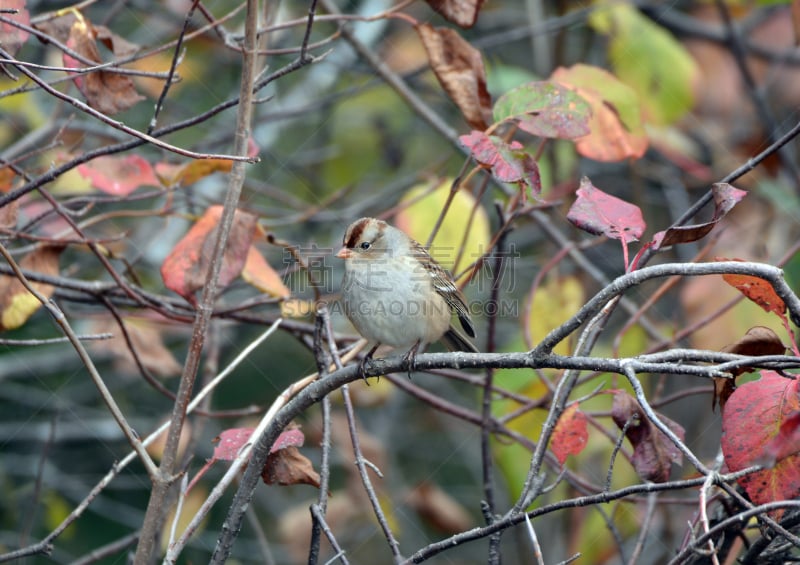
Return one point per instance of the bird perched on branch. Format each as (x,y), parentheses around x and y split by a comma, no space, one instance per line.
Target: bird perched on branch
(396,294)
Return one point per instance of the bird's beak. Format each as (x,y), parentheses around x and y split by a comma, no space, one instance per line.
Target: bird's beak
(344,253)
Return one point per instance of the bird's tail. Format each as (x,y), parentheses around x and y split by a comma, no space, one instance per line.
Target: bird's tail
(454,341)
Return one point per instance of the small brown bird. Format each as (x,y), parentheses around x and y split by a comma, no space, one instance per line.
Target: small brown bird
(396,294)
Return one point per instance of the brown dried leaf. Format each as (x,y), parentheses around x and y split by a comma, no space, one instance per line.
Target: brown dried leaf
(439,509)
(58,28)
(459,68)
(16,303)
(723,389)
(463,13)
(105,91)
(726,197)
(120,46)
(653,451)
(289,467)
(758,341)
(147,341)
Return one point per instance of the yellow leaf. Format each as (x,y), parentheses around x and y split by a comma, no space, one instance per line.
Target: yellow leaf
(417,219)
(553,304)
(191,506)
(188,174)
(19,308)
(297,308)
(16,303)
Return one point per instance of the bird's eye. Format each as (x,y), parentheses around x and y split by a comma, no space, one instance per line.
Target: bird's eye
(365,245)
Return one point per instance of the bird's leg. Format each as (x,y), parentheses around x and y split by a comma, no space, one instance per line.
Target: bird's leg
(411,357)
(362,365)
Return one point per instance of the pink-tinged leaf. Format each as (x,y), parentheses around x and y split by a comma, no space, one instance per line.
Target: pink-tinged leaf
(653,451)
(545,109)
(11,37)
(185,268)
(570,435)
(289,438)
(230,443)
(725,198)
(119,175)
(786,443)
(602,214)
(509,162)
(759,427)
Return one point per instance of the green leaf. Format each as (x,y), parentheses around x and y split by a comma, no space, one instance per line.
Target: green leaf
(650,60)
(546,109)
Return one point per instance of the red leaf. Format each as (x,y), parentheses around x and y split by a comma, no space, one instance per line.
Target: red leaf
(725,198)
(756,289)
(570,435)
(653,451)
(602,214)
(119,175)
(759,426)
(508,161)
(184,270)
(230,442)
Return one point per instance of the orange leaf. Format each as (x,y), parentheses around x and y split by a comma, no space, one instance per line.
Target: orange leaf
(570,435)
(756,289)
(184,270)
(616,129)
(261,275)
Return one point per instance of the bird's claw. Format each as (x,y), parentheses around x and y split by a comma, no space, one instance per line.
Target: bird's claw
(410,359)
